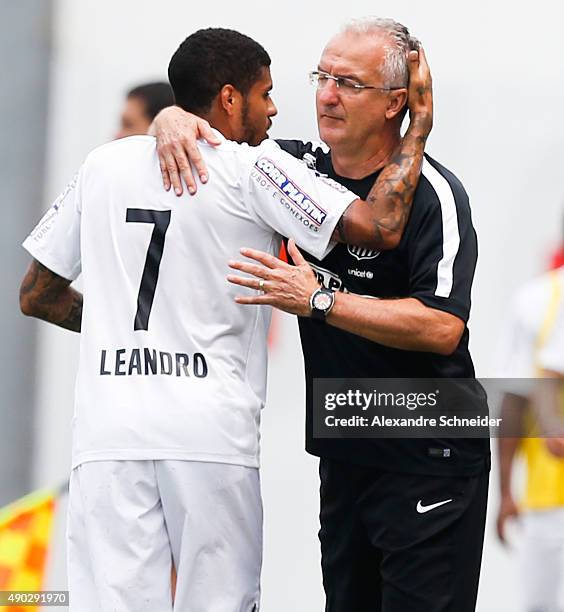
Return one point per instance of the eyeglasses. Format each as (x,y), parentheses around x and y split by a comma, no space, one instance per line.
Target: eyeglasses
(319,80)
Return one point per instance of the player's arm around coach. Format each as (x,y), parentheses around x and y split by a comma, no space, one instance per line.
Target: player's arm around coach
(377,222)
(406,323)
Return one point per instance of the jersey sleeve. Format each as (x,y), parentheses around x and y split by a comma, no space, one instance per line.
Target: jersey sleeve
(55,241)
(285,195)
(443,248)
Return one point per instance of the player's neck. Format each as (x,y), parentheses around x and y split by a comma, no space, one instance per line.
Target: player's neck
(357,160)
(219,122)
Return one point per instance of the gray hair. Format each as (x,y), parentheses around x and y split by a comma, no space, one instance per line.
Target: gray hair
(394,69)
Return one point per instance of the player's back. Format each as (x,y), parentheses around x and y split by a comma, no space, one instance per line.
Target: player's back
(170,366)
(162,336)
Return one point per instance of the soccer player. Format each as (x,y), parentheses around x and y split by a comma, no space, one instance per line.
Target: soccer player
(142,104)
(172,372)
(533,346)
(402,520)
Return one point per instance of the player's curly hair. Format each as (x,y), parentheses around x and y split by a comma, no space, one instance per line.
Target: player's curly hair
(209,59)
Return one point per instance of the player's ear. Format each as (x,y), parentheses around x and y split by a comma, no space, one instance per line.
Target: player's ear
(397,99)
(230,99)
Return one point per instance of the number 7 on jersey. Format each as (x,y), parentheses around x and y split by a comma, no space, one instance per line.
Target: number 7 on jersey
(161,220)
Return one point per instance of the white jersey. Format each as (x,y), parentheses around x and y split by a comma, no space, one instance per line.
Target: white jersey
(551,356)
(521,357)
(170,366)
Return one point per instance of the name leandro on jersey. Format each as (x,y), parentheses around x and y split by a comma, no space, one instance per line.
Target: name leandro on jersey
(290,190)
(150,362)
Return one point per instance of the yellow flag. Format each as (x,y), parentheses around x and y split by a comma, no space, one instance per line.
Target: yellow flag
(25,531)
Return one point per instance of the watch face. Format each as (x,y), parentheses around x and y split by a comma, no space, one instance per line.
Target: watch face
(322,301)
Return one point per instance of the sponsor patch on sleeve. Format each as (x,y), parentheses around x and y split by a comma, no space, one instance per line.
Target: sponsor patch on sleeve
(60,201)
(46,223)
(290,192)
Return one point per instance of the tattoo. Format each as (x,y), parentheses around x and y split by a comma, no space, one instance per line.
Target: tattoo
(73,320)
(392,195)
(30,279)
(48,296)
(340,227)
(389,201)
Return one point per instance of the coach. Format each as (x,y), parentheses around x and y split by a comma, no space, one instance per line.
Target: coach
(402,521)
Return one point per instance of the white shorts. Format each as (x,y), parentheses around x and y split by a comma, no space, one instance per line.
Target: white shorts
(128,519)
(543,560)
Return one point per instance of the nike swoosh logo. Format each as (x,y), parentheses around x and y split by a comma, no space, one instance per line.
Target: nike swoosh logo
(422,509)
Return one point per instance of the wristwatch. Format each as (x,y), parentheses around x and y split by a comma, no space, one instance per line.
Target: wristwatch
(321,302)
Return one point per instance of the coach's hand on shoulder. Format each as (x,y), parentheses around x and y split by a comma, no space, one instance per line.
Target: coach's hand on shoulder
(177,132)
(420,91)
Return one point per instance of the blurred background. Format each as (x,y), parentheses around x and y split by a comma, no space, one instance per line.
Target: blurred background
(67,67)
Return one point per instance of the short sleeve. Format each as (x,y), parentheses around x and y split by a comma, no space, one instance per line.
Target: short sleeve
(285,195)
(55,241)
(443,246)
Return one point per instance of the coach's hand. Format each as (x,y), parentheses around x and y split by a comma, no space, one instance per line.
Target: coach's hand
(283,286)
(420,91)
(177,133)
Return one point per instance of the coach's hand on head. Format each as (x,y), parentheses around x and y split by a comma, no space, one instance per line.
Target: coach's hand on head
(420,90)
(177,133)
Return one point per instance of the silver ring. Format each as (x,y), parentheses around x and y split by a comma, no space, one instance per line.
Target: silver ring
(261,285)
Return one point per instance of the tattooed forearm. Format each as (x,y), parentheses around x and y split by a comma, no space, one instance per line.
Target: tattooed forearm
(48,296)
(379,221)
(392,195)
(389,202)
(340,228)
(73,319)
